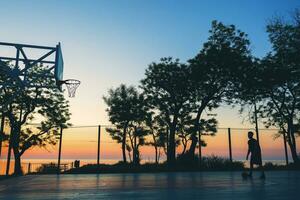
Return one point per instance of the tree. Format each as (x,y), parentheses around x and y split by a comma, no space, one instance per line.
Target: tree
(281,77)
(226,50)
(126,110)
(138,130)
(31,102)
(167,90)
(158,131)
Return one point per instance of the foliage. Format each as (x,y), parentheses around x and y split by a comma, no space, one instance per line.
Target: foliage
(281,102)
(47,104)
(127,110)
(167,90)
(226,50)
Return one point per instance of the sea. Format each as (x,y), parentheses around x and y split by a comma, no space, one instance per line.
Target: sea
(32,165)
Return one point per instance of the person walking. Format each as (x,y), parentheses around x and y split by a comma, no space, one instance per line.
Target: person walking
(255,151)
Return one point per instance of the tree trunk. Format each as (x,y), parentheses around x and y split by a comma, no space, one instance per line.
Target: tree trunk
(135,161)
(129,155)
(191,151)
(156,154)
(18,169)
(184,143)
(171,158)
(155,147)
(15,146)
(292,143)
(124,145)
(293,136)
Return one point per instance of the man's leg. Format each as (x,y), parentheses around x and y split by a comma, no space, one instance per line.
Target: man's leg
(251,169)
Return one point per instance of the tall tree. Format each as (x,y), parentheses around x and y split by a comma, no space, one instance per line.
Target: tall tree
(226,50)
(167,88)
(281,79)
(127,111)
(119,102)
(158,131)
(48,103)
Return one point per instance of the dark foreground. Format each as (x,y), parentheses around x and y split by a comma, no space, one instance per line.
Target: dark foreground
(194,185)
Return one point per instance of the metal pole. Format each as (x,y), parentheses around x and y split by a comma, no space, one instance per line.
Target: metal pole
(59,151)
(200,147)
(285,149)
(11,132)
(98,151)
(29,168)
(229,142)
(1,132)
(167,141)
(256,123)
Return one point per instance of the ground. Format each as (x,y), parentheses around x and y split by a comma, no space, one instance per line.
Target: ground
(195,185)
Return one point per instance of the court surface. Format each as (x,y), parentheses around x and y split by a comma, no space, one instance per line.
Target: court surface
(205,185)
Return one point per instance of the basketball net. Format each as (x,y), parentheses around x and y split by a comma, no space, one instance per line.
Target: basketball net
(72,85)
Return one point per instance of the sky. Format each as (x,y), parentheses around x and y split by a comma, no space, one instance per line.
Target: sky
(106,43)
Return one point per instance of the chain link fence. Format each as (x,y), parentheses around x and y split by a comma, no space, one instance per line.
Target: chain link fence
(80,143)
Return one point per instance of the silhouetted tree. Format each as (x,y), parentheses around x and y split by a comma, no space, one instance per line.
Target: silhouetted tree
(127,111)
(120,103)
(47,103)
(167,90)
(158,131)
(226,50)
(281,79)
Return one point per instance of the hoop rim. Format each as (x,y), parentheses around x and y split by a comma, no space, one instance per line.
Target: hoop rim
(67,81)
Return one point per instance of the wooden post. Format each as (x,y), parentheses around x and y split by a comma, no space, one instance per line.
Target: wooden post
(285,150)
(200,148)
(98,151)
(229,142)
(59,151)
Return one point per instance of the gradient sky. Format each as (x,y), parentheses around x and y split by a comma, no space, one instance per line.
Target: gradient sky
(106,43)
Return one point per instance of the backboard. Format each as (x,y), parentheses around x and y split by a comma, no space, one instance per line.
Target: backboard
(21,58)
(29,66)
(59,66)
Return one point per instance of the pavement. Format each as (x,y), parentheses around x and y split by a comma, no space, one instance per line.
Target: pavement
(195,185)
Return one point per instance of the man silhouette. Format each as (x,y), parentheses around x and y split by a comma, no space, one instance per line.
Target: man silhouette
(254,149)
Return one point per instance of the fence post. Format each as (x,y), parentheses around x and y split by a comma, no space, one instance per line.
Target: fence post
(167,140)
(256,123)
(1,132)
(98,151)
(229,141)
(59,150)
(285,149)
(29,168)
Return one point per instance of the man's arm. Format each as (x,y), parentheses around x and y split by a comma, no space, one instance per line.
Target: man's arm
(248,154)
(248,151)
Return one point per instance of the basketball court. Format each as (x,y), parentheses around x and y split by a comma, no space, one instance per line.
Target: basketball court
(196,185)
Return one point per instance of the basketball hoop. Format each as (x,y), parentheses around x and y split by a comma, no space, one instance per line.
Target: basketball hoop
(72,85)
